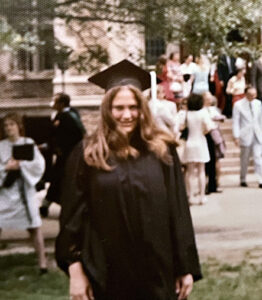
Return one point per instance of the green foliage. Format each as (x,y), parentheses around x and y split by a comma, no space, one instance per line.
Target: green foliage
(8,37)
(205,26)
(202,25)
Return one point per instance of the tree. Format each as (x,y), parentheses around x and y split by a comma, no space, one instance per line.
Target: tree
(8,37)
(205,26)
(220,26)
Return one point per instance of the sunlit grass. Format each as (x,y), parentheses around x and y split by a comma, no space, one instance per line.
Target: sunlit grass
(229,282)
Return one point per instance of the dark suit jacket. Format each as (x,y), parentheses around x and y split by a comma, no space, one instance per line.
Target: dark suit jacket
(68,132)
(223,69)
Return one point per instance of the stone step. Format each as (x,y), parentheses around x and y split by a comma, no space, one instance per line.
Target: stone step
(230,165)
(228,137)
(232,153)
(235,170)
(232,162)
(231,145)
(226,130)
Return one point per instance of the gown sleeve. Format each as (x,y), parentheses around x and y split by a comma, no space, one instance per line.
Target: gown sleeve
(185,253)
(77,239)
(68,241)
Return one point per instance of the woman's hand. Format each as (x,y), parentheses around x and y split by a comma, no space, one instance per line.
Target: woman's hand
(12,164)
(184,286)
(79,286)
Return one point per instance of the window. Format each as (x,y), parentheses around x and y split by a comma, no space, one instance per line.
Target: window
(154,48)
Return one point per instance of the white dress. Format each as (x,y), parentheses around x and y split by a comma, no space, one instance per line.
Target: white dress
(200,84)
(13,211)
(196,149)
(188,69)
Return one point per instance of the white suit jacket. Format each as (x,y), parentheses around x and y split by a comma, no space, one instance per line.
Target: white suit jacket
(247,125)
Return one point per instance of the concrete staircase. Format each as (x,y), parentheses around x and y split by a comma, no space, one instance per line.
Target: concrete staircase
(231,163)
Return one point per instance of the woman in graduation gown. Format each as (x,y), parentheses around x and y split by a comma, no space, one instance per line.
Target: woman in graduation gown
(18,177)
(126,230)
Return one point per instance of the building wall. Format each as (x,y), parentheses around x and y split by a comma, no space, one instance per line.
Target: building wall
(119,42)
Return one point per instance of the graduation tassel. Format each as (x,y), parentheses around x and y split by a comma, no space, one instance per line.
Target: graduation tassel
(153,86)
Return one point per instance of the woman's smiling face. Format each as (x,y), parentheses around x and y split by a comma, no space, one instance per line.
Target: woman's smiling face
(125,110)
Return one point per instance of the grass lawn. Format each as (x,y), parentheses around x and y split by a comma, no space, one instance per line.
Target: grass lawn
(20,280)
(227,282)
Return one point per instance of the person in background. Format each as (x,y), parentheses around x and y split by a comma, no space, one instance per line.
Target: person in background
(212,166)
(196,152)
(236,86)
(129,235)
(68,130)
(247,133)
(19,209)
(161,71)
(201,76)
(188,69)
(180,120)
(175,76)
(225,69)
(164,112)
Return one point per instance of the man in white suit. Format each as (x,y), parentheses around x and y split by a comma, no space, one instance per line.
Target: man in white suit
(247,132)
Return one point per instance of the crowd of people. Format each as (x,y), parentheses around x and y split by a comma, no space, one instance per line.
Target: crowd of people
(125,191)
(205,95)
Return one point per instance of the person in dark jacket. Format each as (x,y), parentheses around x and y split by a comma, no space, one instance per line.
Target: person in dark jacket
(68,130)
(126,232)
(226,69)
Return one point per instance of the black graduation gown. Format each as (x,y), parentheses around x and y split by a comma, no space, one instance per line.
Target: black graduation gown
(66,135)
(131,228)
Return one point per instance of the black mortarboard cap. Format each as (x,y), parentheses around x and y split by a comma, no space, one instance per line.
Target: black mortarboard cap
(120,74)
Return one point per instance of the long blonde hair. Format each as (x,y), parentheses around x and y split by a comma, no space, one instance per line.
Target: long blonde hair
(108,141)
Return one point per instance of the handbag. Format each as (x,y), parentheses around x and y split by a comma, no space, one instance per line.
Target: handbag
(220,145)
(176,87)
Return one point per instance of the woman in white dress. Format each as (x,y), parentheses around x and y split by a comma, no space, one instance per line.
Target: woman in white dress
(200,75)
(196,152)
(188,69)
(18,206)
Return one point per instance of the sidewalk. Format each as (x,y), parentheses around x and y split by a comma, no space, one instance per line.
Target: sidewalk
(226,227)
(229,225)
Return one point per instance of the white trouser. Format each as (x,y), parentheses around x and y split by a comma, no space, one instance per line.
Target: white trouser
(245,153)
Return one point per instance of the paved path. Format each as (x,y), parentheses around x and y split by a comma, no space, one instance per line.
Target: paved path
(230,224)
(227,227)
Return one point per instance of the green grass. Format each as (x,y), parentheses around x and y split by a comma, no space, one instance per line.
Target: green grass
(227,282)
(20,280)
